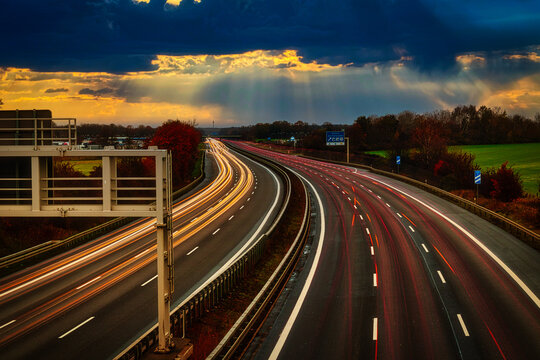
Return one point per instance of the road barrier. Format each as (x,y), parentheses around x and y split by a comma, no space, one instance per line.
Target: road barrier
(223,284)
(17,261)
(527,236)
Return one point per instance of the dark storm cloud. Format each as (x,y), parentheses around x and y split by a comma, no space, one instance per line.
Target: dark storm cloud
(51,91)
(99,92)
(121,35)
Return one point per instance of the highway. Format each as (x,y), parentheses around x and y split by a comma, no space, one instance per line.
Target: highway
(93,301)
(397,273)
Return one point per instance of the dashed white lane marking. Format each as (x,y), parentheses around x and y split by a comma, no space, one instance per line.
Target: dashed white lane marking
(375,328)
(89,282)
(387,204)
(462,323)
(76,327)
(349,198)
(241,207)
(425,248)
(193,220)
(372,251)
(361,217)
(379,196)
(355,207)
(375,280)
(231,217)
(7,324)
(441,276)
(142,253)
(148,281)
(369,190)
(398,214)
(367,230)
(248,199)
(253,192)
(410,227)
(192,251)
(215,232)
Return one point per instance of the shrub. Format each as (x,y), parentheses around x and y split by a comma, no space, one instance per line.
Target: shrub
(503,184)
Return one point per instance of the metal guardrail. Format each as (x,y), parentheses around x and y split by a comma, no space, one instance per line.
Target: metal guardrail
(19,260)
(238,339)
(207,298)
(527,236)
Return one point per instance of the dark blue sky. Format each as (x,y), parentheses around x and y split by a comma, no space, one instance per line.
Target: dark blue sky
(427,36)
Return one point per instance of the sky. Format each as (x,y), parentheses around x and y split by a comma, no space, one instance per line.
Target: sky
(240,62)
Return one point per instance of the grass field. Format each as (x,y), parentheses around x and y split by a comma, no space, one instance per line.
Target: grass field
(525,158)
(85,166)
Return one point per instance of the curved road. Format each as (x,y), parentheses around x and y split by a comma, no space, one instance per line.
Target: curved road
(95,300)
(395,272)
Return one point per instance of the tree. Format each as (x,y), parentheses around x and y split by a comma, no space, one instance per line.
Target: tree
(182,139)
(430,140)
(503,184)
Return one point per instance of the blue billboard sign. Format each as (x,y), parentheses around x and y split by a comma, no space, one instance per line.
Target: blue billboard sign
(334,138)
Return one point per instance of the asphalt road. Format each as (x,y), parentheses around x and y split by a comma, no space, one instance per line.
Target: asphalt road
(397,273)
(93,301)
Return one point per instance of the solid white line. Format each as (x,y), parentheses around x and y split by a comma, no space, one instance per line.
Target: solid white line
(241,207)
(89,282)
(410,227)
(505,267)
(375,280)
(6,324)
(215,232)
(441,276)
(465,331)
(367,230)
(146,282)
(375,328)
(398,214)
(372,251)
(425,248)
(290,322)
(231,217)
(76,327)
(192,251)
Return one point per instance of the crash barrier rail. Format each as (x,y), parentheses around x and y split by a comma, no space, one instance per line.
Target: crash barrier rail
(222,284)
(238,339)
(17,261)
(527,236)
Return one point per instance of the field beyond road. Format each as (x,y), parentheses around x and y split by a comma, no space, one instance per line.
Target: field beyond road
(525,158)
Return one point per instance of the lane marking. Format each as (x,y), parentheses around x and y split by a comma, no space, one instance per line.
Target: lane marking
(367,230)
(89,282)
(441,276)
(361,217)
(193,220)
(462,323)
(372,251)
(355,207)
(425,248)
(299,302)
(7,324)
(410,227)
(349,198)
(253,192)
(379,197)
(387,204)
(215,232)
(192,251)
(76,327)
(146,282)
(142,253)
(231,217)
(375,279)
(375,328)
(241,207)
(248,199)
(398,214)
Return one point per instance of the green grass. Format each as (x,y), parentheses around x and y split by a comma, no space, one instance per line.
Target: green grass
(525,158)
(85,166)
(381,153)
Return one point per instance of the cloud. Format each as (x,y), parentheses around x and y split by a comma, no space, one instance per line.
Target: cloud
(99,92)
(49,91)
(125,36)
